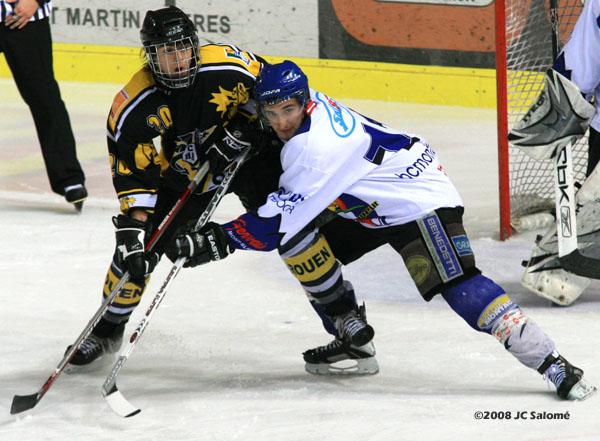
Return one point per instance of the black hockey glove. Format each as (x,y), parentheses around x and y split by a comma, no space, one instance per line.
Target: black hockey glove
(130,235)
(237,136)
(201,246)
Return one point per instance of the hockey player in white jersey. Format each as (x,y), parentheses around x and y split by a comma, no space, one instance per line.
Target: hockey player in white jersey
(559,116)
(385,186)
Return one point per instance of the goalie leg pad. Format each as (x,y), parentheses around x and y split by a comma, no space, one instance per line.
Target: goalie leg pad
(560,115)
(544,276)
(590,190)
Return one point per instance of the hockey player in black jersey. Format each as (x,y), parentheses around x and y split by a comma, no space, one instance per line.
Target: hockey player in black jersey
(186,96)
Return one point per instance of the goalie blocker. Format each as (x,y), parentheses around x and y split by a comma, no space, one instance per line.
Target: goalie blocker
(560,115)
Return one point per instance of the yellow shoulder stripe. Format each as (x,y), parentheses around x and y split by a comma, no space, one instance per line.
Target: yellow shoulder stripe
(225,54)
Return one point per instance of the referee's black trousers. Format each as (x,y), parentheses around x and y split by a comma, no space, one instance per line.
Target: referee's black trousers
(28,52)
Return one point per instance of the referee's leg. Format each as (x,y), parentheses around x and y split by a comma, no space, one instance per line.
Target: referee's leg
(28,53)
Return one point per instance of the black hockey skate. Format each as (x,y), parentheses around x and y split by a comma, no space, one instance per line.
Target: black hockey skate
(567,378)
(353,327)
(76,194)
(93,348)
(342,358)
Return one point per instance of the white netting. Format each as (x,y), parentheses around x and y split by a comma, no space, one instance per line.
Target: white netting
(529,55)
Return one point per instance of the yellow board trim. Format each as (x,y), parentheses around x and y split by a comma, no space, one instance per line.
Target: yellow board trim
(454,86)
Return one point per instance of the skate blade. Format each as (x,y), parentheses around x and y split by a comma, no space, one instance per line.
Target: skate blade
(363,366)
(78,206)
(581,391)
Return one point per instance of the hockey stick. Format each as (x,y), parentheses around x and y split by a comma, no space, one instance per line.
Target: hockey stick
(115,399)
(22,403)
(566,223)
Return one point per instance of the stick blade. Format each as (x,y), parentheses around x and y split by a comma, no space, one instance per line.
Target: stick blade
(119,404)
(22,403)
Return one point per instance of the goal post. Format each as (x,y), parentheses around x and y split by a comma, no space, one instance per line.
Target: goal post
(525,37)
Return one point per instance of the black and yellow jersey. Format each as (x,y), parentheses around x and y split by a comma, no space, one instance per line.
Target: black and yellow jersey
(139,114)
(187,120)
(223,85)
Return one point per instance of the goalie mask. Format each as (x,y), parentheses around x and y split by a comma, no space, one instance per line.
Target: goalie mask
(171,47)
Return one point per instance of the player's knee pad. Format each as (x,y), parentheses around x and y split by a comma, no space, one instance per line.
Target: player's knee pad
(312,262)
(128,298)
(479,301)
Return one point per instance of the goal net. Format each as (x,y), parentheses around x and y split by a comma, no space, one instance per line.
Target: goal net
(524,56)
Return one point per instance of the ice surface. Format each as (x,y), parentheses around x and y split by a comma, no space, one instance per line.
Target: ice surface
(222,358)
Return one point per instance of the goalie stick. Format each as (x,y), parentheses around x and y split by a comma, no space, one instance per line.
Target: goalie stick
(22,403)
(115,399)
(566,224)
(569,255)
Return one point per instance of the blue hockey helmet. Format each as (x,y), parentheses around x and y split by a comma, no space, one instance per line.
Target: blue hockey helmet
(280,82)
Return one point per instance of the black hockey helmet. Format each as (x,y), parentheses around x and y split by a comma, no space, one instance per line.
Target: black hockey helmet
(171,43)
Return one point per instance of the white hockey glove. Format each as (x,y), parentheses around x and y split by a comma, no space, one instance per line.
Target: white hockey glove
(560,115)
(130,234)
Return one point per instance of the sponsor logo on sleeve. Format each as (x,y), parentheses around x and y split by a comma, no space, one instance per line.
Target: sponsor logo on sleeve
(243,237)
(237,54)
(285,200)
(341,119)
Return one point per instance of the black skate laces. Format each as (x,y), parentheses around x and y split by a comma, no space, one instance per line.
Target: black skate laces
(90,345)
(335,344)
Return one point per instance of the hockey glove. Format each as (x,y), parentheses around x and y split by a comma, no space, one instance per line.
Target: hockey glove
(201,246)
(130,234)
(236,137)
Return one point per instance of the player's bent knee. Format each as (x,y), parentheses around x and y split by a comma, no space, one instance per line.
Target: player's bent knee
(479,301)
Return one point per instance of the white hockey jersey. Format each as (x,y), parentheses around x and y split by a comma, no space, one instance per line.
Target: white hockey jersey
(357,167)
(582,54)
